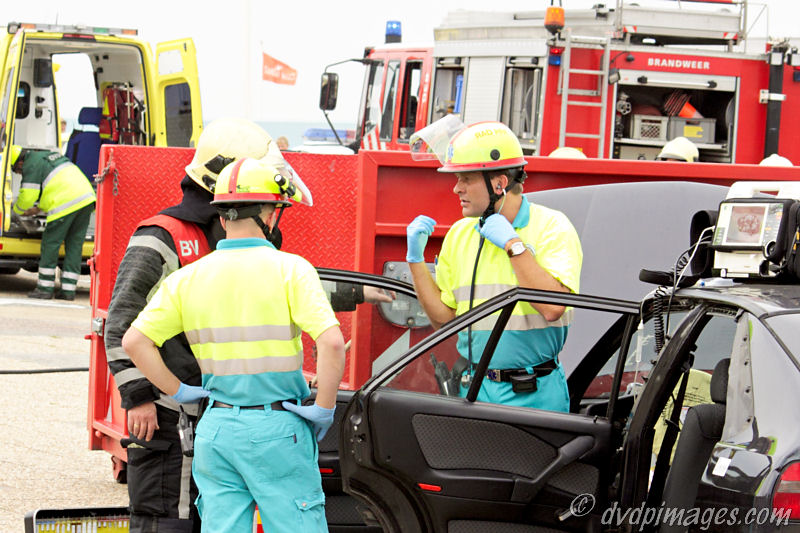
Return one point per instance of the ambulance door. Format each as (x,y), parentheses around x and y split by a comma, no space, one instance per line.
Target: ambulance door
(178,119)
(8,106)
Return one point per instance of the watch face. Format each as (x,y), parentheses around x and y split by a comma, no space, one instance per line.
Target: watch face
(516,249)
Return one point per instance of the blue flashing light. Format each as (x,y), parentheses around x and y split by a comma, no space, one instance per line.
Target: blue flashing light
(394,32)
(554,61)
(393,27)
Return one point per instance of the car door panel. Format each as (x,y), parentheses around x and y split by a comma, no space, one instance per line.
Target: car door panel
(475,460)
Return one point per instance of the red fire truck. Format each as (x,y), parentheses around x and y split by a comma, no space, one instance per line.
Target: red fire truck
(614,82)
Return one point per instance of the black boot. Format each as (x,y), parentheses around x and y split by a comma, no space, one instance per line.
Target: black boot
(61,295)
(40,294)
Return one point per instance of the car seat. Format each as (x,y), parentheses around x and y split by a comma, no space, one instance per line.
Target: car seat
(83,147)
(701,431)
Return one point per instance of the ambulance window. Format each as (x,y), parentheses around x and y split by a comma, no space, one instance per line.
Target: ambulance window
(520,110)
(410,100)
(23,100)
(4,109)
(448,91)
(389,93)
(373,109)
(178,104)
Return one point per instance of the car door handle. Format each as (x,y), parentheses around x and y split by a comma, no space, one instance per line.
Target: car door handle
(526,489)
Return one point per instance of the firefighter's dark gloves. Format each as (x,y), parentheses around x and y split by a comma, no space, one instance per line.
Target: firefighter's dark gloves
(320,417)
(417,237)
(497,230)
(190,394)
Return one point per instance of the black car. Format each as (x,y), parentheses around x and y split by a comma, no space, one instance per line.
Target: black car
(424,461)
(676,418)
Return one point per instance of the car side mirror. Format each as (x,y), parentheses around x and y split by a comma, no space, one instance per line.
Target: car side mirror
(329,87)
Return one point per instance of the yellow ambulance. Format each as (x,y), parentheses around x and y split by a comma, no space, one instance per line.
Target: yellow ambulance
(112,88)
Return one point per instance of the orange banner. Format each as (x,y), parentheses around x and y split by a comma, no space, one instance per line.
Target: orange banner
(276,71)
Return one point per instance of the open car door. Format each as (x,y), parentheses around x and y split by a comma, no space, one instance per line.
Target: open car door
(179,119)
(381,328)
(8,105)
(424,460)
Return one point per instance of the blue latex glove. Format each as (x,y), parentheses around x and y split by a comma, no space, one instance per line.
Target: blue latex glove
(321,418)
(498,230)
(190,393)
(417,237)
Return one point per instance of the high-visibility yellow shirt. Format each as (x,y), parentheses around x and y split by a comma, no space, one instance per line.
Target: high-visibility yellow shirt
(529,339)
(59,185)
(243,308)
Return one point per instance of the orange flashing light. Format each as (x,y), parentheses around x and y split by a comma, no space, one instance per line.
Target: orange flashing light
(554,19)
(130,32)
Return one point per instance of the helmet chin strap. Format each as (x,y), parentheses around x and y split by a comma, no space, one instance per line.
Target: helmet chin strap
(515,175)
(272,235)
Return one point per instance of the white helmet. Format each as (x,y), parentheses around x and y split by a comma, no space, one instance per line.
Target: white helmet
(567,152)
(223,141)
(681,149)
(776,160)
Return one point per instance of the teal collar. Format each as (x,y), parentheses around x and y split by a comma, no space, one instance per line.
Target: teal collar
(523,215)
(248,242)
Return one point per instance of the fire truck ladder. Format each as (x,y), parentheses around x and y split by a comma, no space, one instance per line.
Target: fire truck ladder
(566,91)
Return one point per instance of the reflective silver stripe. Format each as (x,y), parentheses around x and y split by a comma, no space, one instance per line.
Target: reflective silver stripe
(170,403)
(70,275)
(242,334)
(183,496)
(524,322)
(46,283)
(53,173)
(129,374)
(68,286)
(47,271)
(67,205)
(117,354)
(148,241)
(231,367)
(482,292)
(33,186)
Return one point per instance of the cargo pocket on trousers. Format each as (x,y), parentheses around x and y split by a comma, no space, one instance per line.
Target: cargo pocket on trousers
(145,481)
(312,513)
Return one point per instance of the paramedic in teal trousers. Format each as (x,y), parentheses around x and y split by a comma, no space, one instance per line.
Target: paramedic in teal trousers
(242,308)
(504,241)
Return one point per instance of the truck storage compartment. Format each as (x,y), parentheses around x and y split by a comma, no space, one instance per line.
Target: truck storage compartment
(697,130)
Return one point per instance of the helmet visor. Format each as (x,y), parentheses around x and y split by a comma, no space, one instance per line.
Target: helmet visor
(292,185)
(431,142)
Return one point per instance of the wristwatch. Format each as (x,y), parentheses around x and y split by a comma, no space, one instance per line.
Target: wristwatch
(517,248)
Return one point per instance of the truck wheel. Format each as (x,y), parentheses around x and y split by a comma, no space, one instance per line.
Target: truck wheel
(119,470)
(10,271)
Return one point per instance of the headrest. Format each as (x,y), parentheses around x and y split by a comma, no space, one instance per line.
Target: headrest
(719,381)
(90,116)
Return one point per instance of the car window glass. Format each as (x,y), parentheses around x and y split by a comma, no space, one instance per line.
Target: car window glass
(526,347)
(378,325)
(785,326)
(439,369)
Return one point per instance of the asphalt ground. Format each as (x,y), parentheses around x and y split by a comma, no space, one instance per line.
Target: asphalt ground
(45,461)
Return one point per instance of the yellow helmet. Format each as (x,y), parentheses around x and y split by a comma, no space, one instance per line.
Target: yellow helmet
(567,152)
(225,140)
(776,160)
(680,148)
(250,181)
(483,146)
(14,151)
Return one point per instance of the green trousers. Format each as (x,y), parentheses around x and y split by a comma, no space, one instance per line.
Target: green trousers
(70,230)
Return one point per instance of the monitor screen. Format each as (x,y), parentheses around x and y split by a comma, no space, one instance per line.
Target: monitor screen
(747,225)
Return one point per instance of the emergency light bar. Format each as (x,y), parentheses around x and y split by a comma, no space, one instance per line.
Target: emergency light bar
(750,225)
(14,27)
